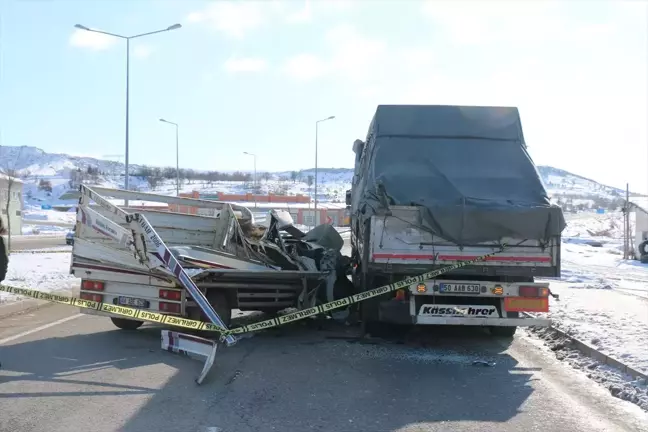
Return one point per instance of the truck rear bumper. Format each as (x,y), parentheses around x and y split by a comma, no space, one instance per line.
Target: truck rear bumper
(400,312)
(497,322)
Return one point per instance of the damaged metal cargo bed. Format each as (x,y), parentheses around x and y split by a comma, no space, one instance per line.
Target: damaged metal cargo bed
(136,257)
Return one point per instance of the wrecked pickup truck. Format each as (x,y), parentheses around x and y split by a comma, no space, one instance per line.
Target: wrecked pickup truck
(136,257)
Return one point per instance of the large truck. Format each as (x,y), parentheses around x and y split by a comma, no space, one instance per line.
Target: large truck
(437,185)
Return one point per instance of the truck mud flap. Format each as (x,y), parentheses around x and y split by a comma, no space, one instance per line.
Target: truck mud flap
(191,346)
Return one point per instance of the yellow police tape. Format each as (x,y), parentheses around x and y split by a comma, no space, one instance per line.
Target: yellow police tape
(160,318)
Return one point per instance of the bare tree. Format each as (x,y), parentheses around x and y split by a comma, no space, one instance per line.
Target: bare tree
(10,174)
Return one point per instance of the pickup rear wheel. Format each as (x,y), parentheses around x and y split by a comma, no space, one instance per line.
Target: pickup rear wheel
(126,324)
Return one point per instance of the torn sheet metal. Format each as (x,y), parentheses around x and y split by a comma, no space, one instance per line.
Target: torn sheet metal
(189,345)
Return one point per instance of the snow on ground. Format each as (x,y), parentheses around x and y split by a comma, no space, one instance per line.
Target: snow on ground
(44,230)
(49,272)
(36,213)
(603,302)
(620,385)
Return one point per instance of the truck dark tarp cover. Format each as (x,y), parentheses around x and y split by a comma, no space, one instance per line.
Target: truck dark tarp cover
(466,167)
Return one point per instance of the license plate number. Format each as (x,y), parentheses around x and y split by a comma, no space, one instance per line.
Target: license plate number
(459,288)
(133,302)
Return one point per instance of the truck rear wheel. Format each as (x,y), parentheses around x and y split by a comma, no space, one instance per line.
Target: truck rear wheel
(218,300)
(126,324)
(507,332)
(369,309)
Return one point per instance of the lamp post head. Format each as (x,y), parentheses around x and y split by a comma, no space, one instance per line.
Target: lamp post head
(174,27)
(330,118)
(81,27)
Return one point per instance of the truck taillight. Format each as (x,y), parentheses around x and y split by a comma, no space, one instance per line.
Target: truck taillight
(170,307)
(91,285)
(534,291)
(170,295)
(92,297)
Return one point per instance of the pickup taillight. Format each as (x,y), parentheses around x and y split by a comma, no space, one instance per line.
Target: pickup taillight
(91,285)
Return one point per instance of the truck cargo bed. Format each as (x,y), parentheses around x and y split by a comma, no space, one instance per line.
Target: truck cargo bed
(398,244)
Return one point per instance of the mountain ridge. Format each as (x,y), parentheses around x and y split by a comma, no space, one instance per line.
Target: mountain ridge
(39,164)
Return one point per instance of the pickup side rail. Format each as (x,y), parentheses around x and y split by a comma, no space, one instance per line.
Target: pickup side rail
(160,257)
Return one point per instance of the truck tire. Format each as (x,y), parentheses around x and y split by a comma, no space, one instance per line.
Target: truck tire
(507,332)
(369,309)
(4,260)
(643,248)
(221,304)
(218,300)
(126,324)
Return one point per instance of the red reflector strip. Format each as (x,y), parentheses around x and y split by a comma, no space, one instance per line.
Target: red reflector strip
(526,304)
(459,257)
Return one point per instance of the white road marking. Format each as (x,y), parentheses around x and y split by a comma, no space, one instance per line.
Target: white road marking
(37,329)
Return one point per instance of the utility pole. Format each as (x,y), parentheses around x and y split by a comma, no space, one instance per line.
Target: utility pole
(315,218)
(128,39)
(626,224)
(255,177)
(177,155)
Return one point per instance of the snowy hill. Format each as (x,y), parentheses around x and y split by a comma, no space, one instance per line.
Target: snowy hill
(42,164)
(569,190)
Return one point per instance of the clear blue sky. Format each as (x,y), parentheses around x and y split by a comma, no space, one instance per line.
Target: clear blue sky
(246,76)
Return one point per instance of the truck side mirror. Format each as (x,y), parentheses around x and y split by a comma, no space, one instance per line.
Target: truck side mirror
(358,145)
(348,197)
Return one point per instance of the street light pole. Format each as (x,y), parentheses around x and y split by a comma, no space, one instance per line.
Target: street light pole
(255,175)
(316,134)
(128,38)
(177,155)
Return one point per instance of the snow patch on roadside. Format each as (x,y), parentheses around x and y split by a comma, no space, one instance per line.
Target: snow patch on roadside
(43,272)
(620,385)
(40,230)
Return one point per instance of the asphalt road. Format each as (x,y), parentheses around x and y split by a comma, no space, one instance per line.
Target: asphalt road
(36,242)
(85,375)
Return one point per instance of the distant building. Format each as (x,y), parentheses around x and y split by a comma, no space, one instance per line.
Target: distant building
(300,208)
(15,197)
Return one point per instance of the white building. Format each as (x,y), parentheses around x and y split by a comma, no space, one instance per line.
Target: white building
(639,206)
(15,197)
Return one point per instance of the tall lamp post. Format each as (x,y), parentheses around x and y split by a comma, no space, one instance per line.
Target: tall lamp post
(128,39)
(316,134)
(255,176)
(177,156)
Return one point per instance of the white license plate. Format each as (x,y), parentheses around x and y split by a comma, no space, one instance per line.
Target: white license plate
(459,288)
(133,302)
